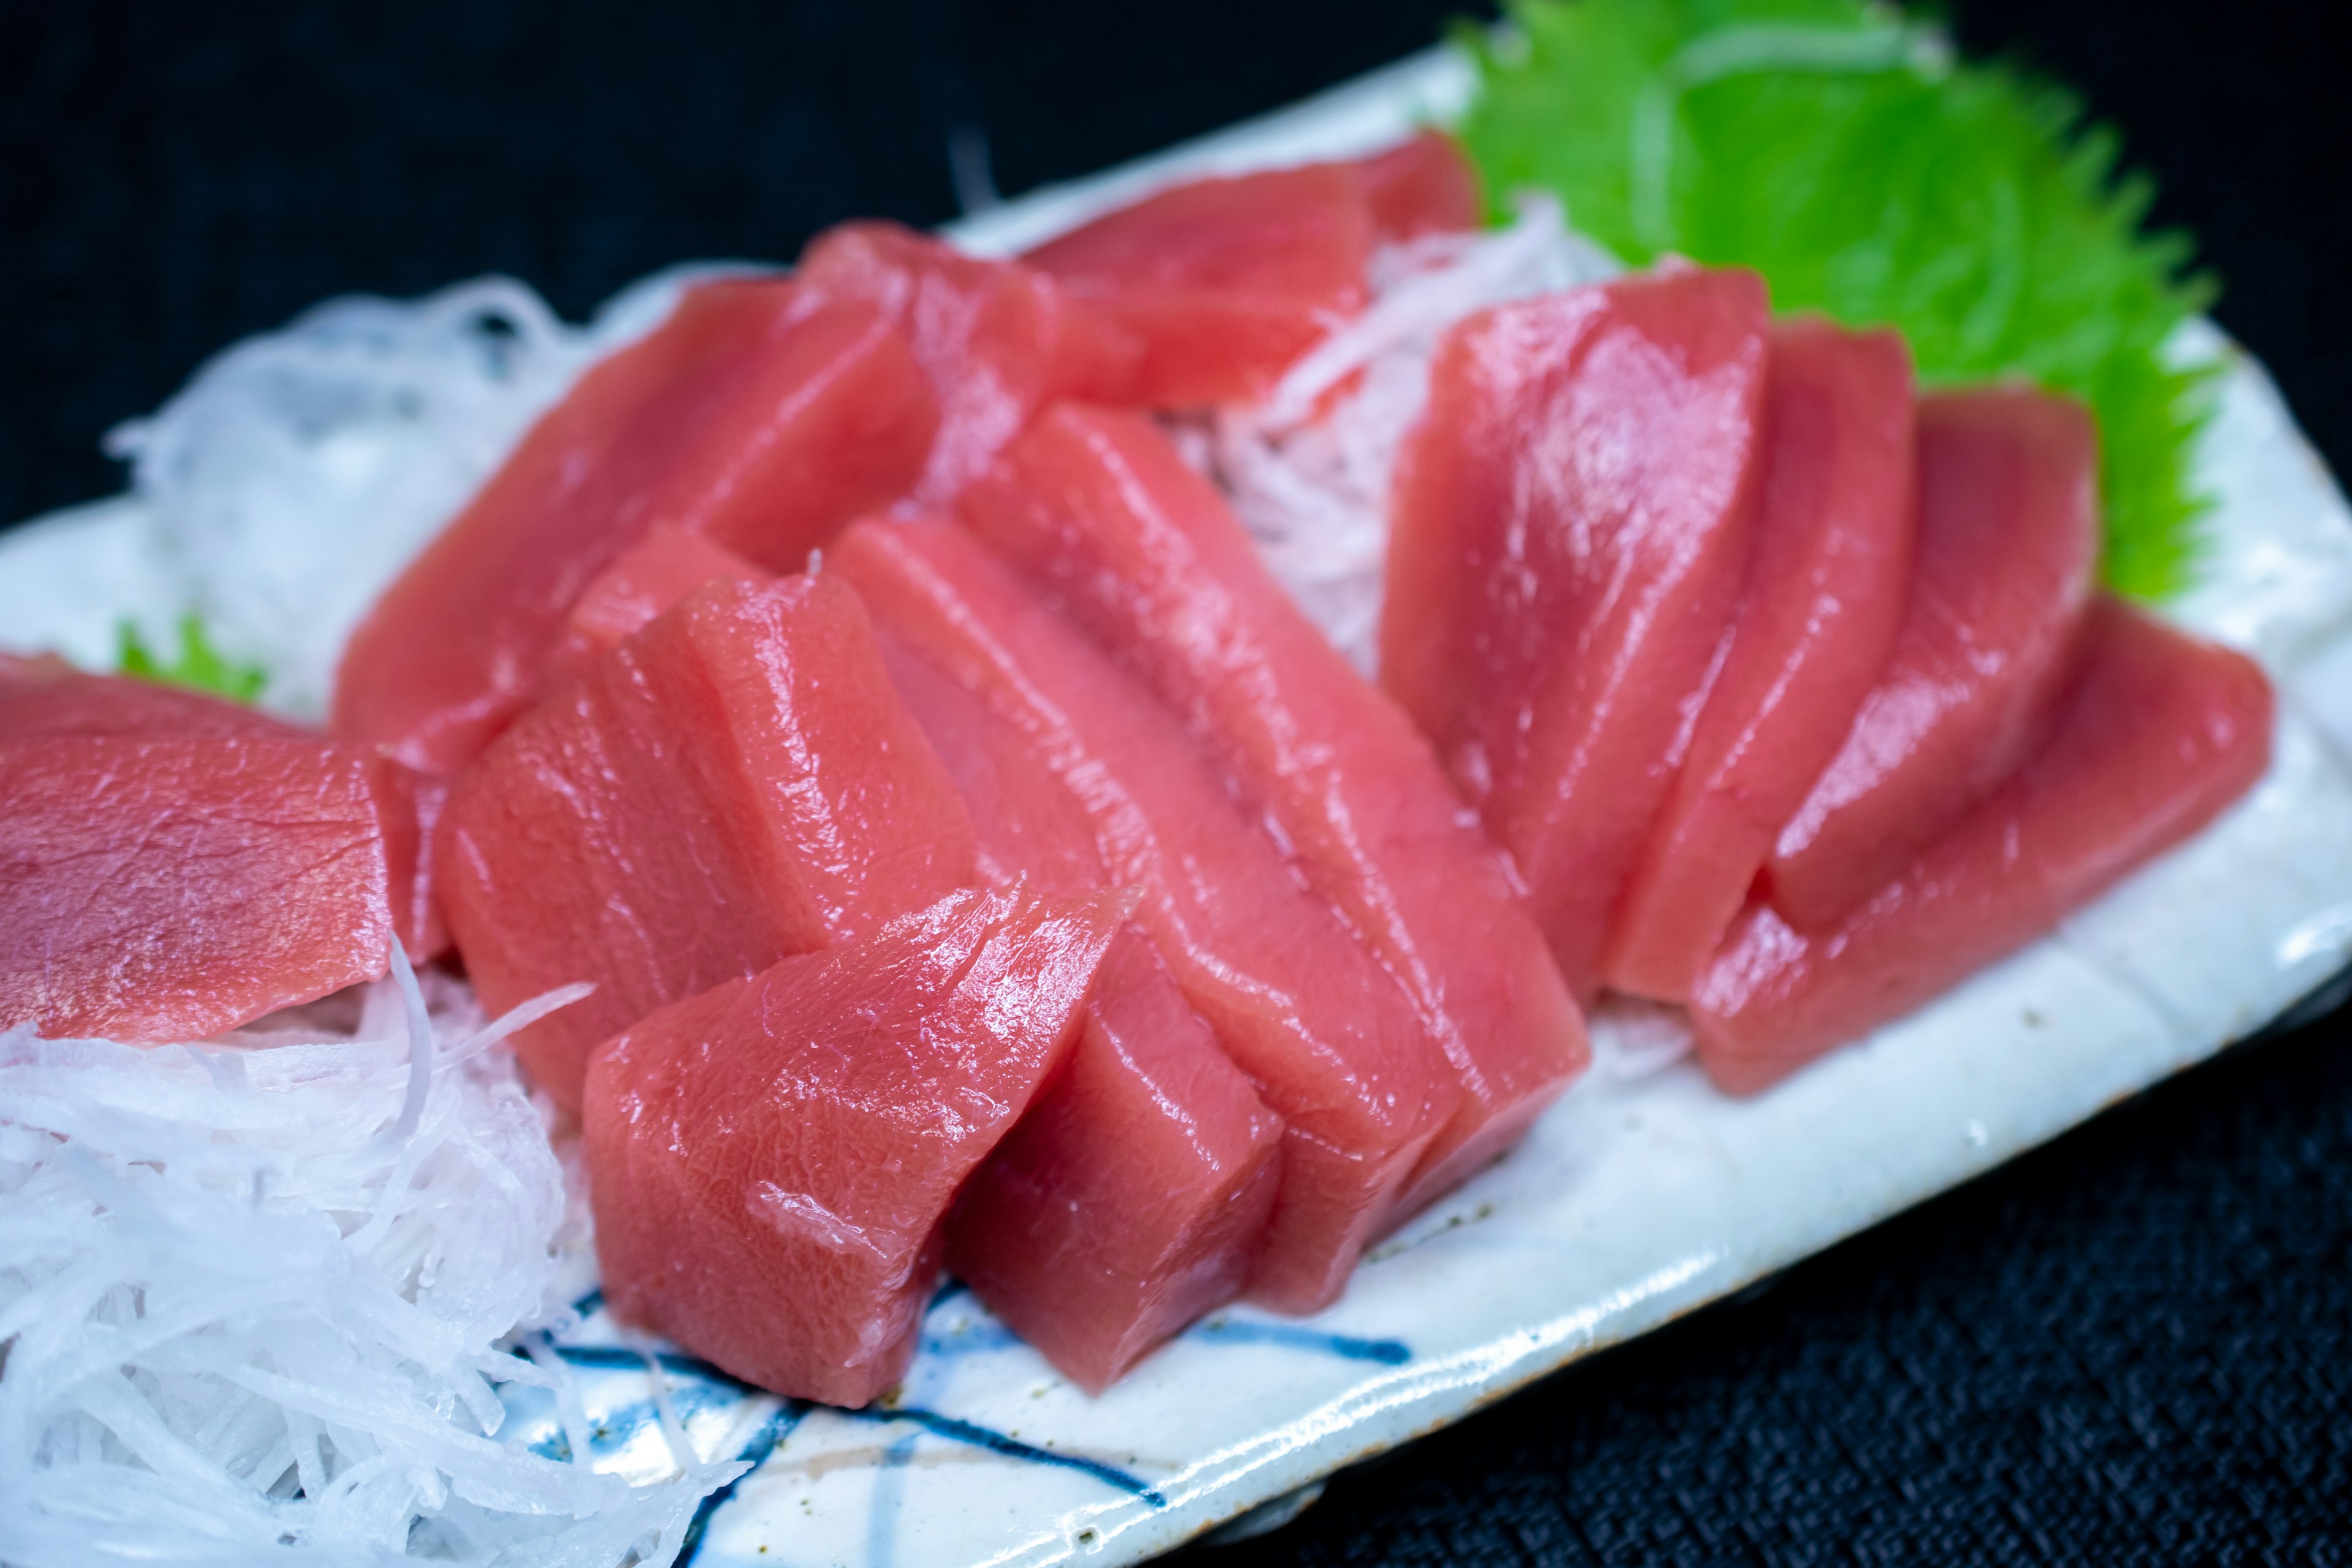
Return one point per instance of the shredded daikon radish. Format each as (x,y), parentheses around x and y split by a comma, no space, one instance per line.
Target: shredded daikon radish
(1307,469)
(301,470)
(255,1297)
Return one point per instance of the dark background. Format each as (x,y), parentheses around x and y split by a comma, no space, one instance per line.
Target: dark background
(2135,1346)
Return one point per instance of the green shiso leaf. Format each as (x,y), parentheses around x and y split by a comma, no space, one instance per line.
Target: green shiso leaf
(1839,148)
(200,667)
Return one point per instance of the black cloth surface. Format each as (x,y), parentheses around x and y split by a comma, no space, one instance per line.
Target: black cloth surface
(2133,1346)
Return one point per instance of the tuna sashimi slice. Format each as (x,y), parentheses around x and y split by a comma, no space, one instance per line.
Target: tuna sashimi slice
(1225,281)
(1099,510)
(161,888)
(2008,542)
(664,566)
(49,697)
(773,1161)
(1826,583)
(31,666)
(754,414)
(1420,187)
(735,784)
(1329,1039)
(1133,1197)
(2157,734)
(1026,824)
(998,340)
(1572,517)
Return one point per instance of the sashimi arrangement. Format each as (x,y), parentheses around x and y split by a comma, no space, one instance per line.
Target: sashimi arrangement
(669,771)
(1120,774)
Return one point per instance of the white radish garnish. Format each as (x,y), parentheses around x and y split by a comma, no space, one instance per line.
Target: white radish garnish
(258,1294)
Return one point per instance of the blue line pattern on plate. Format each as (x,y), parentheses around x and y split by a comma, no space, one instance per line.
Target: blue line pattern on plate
(1257,1331)
(882,1515)
(985,1335)
(979,1334)
(619,1358)
(773,1431)
(1012,1447)
(626,1358)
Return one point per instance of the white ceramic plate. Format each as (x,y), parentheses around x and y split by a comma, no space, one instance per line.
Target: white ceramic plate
(1645,1194)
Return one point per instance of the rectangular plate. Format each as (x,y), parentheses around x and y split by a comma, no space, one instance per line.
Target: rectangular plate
(1643,1194)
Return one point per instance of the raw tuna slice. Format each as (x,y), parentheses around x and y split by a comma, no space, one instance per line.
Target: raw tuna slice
(1572,531)
(2009,539)
(49,697)
(997,340)
(773,1161)
(754,415)
(1421,187)
(1026,825)
(1826,583)
(167,887)
(1099,510)
(735,784)
(664,566)
(1329,1039)
(1225,281)
(31,666)
(1133,1197)
(2157,734)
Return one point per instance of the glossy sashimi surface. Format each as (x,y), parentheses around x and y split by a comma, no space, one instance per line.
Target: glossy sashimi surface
(1330,1041)
(1135,1195)
(1827,578)
(49,697)
(1098,509)
(1131,1200)
(754,415)
(772,1161)
(2008,547)
(2156,735)
(1026,823)
(664,566)
(1573,519)
(1225,281)
(162,888)
(669,565)
(997,340)
(735,784)
(1420,187)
